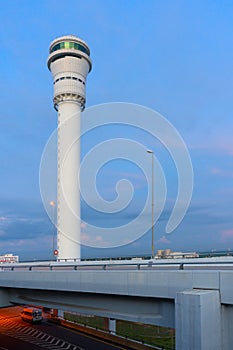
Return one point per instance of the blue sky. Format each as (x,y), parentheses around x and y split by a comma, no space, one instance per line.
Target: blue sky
(172,56)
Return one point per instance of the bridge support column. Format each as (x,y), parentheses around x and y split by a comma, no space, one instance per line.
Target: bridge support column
(60,313)
(4,298)
(112,325)
(198,320)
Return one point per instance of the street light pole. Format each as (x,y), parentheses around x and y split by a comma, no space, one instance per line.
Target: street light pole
(53,204)
(152,205)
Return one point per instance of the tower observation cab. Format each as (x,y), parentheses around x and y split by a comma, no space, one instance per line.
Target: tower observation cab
(69,61)
(70,45)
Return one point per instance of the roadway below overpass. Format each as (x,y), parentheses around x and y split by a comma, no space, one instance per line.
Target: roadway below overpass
(195,297)
(17,334)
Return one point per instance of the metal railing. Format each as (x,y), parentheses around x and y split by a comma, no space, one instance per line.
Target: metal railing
(116,265)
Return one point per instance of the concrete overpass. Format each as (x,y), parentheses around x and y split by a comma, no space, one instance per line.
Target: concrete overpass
(194,296)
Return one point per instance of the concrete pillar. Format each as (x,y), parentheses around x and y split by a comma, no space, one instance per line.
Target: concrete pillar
(4,298)
(61,313)
(112,325)
(198,320)
(227,321)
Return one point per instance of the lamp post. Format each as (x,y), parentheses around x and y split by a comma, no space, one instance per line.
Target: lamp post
(53,204)
(152,204)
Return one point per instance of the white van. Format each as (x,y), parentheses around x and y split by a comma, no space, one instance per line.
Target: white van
(31,314)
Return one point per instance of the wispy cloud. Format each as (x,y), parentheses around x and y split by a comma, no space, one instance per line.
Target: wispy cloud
(3,219)
(221,172)
(227,236)
(24,227)
(164,239)
(90,240)
(220,142)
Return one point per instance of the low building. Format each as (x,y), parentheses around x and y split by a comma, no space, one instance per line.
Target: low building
(169,254)
(9,258)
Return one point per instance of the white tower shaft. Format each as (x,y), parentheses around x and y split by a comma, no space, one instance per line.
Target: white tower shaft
(68,200)
(69,63)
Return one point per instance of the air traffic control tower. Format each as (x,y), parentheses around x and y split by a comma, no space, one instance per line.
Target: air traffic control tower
(69,62)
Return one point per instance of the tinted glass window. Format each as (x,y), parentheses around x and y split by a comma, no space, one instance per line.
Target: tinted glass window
(70,45)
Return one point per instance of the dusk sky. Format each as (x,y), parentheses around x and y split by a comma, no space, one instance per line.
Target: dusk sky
(171,56)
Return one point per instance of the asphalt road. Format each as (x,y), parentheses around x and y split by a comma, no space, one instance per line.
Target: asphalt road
(16,334)
(9,343)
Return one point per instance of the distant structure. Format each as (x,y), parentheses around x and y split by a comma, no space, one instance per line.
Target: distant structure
(168,254)
(9,258)
(69,62)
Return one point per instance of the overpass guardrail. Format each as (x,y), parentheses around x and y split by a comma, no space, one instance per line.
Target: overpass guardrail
(180,264)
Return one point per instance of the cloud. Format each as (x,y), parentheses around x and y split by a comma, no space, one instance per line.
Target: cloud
(89,240)
(83,226)
(163,239)
(219,141)
(3,219)
(227,235)
(25,228)
(33,248)
(221,172)
(16,228)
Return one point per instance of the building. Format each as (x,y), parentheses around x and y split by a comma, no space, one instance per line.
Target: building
(9,258)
